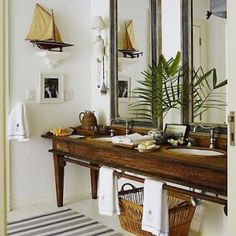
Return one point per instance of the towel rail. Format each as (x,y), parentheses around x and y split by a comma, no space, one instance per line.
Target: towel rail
(200,195)
(167,187)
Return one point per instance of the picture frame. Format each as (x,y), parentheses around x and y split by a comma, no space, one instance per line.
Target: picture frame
(51,88)
(124,85)
(175,131)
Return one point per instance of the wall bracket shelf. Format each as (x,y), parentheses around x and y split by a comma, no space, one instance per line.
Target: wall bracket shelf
(52,59)
(124,62)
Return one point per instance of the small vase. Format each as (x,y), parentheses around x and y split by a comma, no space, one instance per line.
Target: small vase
(88,120)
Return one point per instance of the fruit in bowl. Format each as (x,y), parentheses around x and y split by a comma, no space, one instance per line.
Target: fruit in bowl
(61,132)
(147,146)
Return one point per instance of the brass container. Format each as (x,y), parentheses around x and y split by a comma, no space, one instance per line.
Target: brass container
(88,120)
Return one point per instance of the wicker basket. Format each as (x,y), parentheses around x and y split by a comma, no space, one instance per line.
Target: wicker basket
(181,211)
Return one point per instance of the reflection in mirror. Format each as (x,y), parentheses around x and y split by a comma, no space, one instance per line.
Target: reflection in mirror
(126,66)
(171,42)
(209,51)
(146,26)
(134,52)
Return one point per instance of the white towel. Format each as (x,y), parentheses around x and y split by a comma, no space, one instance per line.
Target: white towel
(18,128)
(155,208)
(108,203)
(131,139)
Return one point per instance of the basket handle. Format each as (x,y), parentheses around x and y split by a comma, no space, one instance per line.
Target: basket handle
(127,184)
(181,205)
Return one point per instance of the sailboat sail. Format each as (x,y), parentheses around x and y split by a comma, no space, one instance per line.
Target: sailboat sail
(129,46)
(43,31)
(129,39)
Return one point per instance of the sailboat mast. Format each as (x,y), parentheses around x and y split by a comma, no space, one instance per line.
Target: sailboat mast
(53,22)
(126,46)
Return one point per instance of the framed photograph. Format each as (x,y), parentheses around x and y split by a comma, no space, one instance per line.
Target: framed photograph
(175,131)
(124,89)
(51,88)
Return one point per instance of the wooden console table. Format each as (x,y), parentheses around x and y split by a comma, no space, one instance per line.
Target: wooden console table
(208,174)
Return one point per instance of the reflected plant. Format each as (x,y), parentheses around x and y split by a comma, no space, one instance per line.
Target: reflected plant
(204,91)
(160,90)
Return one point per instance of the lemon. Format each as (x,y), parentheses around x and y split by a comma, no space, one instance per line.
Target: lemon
(142,146)
(56,131)
(149,143)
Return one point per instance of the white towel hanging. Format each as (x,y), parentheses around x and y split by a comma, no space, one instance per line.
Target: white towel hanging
(18,127)
(108,203)
(155,208)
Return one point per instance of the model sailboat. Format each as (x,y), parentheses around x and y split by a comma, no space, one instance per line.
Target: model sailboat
(129,46)
(43,31)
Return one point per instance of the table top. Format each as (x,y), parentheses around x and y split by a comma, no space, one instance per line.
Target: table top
(208,173)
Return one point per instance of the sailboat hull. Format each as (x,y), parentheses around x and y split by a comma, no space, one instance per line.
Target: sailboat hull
(130,53)
(50,45)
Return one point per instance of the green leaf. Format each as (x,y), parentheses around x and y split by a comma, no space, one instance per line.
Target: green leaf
(202,78)
(214,78)
(221,84)
(204,91)
(175,64)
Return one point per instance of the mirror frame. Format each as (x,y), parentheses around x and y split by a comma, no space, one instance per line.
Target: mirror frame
(186,23)
(156,49)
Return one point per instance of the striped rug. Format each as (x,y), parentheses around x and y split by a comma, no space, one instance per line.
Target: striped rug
(64,222)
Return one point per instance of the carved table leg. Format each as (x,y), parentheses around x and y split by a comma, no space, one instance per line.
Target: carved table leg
(59,165)
(94,180)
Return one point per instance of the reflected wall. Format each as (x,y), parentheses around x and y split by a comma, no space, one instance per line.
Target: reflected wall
(209,51)
(168,42)
(129,69)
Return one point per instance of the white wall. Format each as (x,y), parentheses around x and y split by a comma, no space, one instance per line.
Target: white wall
(171,28)
(171,42)
(131,68)
(213,53)
(100,103)
(32,179)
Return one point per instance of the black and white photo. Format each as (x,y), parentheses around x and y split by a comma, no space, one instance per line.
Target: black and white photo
(124,89)
(51,88)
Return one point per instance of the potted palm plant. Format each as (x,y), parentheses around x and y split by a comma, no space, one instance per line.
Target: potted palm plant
(162,90)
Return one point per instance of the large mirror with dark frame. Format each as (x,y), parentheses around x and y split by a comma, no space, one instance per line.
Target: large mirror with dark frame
(134,49)
(127,67)
(133,26)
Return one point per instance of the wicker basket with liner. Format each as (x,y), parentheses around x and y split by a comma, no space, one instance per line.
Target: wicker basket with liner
(181,211)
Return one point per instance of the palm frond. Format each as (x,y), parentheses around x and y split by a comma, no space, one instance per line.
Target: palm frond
(162,89)
(159,91)
(203,87)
